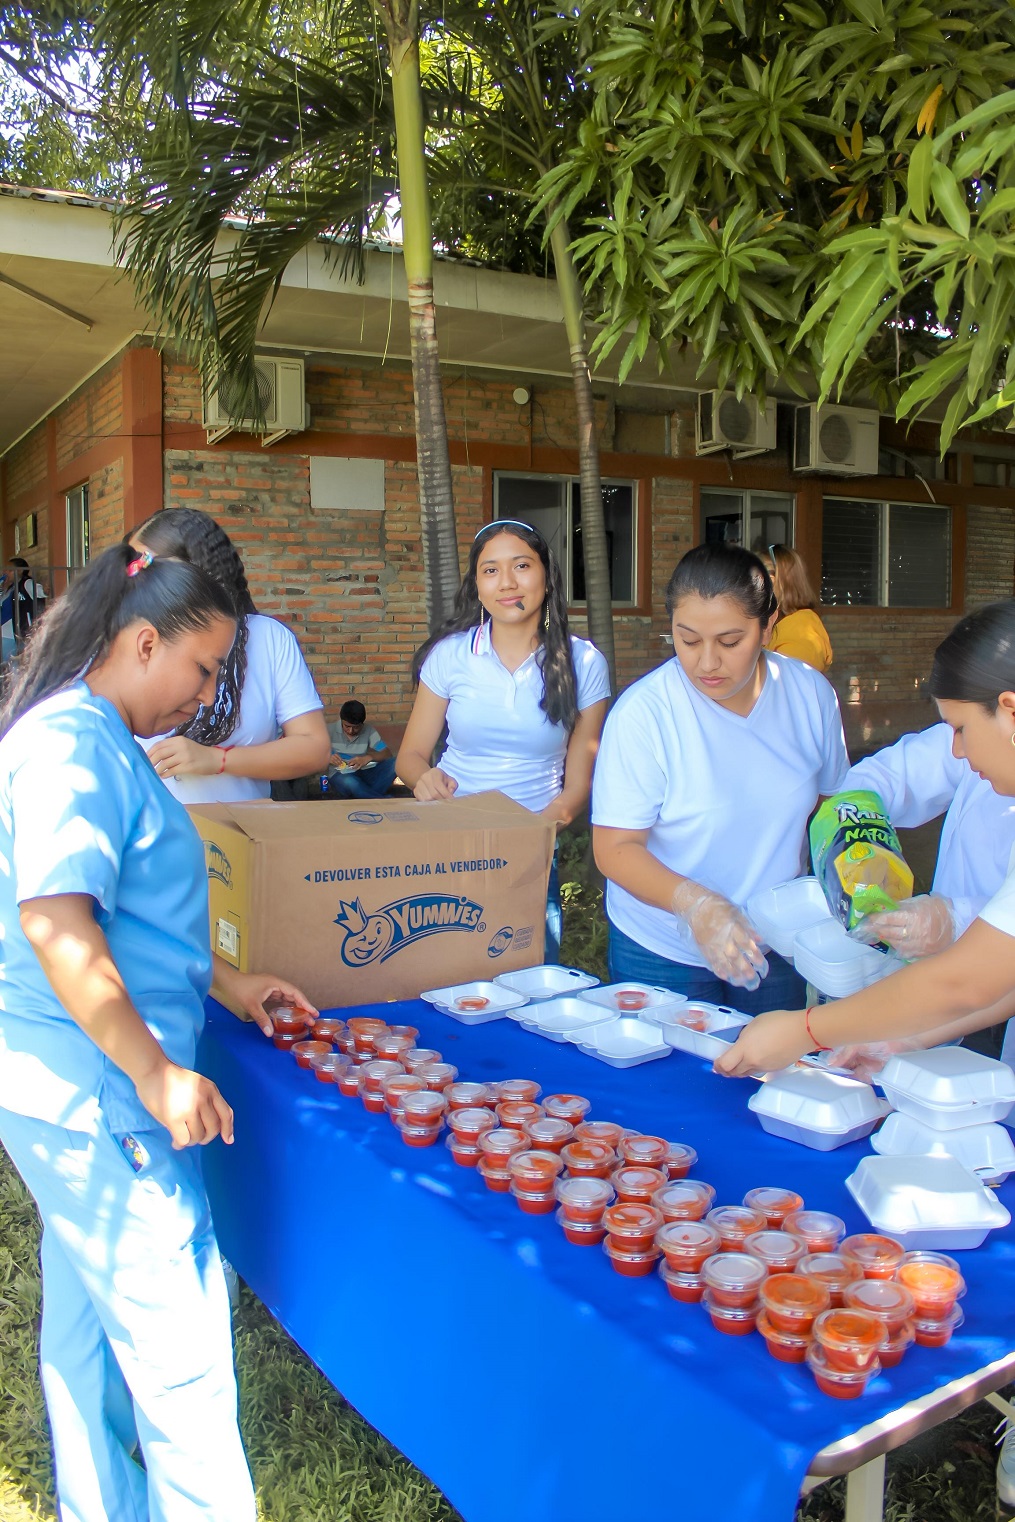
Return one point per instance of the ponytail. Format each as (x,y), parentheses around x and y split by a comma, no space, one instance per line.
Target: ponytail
(975,663)
(115,590)
(723,570)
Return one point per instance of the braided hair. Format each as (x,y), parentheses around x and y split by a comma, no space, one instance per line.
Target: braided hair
(187,534)
(79,629)
(555,656)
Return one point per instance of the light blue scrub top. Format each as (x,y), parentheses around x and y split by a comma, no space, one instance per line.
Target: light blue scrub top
(82,811)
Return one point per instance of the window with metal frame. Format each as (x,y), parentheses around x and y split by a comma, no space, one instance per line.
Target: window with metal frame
(552,504)
(77,528)
(885,554)
(756,519)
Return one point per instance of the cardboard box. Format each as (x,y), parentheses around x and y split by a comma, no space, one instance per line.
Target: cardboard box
(358,903)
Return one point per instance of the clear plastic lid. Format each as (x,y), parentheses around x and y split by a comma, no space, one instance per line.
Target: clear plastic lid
(329,1061)
(436,1074)
(535,1170)
(632,1220)
(414,1129)
(585,1193)
(795,1297)
(366,1025)
(844,1379)
(379,1069)
(775,1247)
(732,1313)
(933,1326)
(850,1331)
(811,1224)
(737,1272)
(796,1342)
(472,1122)
(570,1107)
(774,1203)
(690,1237)
(503,1142)
(423,1107)
(735,1222)
(873,1251)
(680,1159)
(630,1255)
(684,1199)
(310,1049)
(392,1046)
(402,1083)
(636,1183)
(525,1090)
(461,1096)
(416,1056)
(517,1113)
(587,1154)
(578,1228)
(547,1131)
(285,1019)
(831,1268)
(886,1299)
(651,1151)
(454,1143)
(404,1030)
(933,1278)
(325,1028)
(606,1131)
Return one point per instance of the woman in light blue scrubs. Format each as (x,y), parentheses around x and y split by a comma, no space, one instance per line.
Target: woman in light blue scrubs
(105,963)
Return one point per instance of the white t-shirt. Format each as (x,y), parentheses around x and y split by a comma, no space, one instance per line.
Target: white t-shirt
(725,798)
(277,687)
(918,778)
(498,736)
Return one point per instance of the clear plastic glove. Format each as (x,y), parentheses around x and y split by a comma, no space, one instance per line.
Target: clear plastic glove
(725,937)
(866,1062)
(917,927)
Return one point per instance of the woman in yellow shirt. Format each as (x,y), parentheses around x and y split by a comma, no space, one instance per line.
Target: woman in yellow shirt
(799,631)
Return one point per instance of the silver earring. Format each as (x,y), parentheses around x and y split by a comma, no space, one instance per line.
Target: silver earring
(546,626)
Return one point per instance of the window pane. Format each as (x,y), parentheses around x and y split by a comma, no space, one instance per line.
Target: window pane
(722,515)
(771,521)
(851,533)
(77,527)
(919,556)
(539,500)
(618,511)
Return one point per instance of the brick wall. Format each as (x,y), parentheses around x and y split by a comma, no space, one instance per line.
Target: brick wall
(990,554)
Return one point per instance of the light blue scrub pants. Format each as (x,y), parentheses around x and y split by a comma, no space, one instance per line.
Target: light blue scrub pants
(136,1340)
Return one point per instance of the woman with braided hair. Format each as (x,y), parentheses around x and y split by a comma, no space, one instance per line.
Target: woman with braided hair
(266,722)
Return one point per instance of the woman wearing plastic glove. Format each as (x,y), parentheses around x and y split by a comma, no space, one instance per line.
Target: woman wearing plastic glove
(708,771)
(918,778)
(971,984)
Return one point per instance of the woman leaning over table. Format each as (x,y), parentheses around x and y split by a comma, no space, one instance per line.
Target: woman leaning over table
(105,963)
(522,698)
(708,772)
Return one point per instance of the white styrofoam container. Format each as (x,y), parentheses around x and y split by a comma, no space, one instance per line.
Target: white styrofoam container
(605,995)
(824,955)
(546,982)
(780,913)
(623,1042)
(986,1150)
(564,1019)
(722,1027)
(948,1086)
(926,1202)
(818,1109)
(500,1000)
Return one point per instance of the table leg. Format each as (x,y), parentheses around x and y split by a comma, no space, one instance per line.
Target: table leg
(865,1492)
(1004,1406)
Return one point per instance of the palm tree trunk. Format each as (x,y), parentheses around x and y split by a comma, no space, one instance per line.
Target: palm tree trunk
(599,605)
(433,462)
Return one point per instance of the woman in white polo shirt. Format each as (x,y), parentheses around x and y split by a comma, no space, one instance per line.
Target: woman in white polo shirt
(708,771)
(523,700)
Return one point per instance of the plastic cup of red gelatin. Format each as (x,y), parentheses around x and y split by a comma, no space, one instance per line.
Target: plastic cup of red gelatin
(437,1076)
(416,1056)
(633,1263)
(423,1108)
(395,1090)
(646,1151)
(636,1185)
(348,1081)
(364,1030)
(630,999)
(465,1096)
(548,1134)
(877,1255)
(934,1332)
(583,1200)
(734,1223)
(517,1113)
(775,1204)
(686,1244)
(404,1030)
(393,1048)
(535,1172)
(286,1021)
(327,1067)
(580,1233)
(346,1042)
(588,1159)
(286,1040)
(303,1051)
(570,1107)
(376,1073)
(821,1230)
(935,1282)
(465,1155)
(844,1384)
(735,1321)
(851,1339)
(633,1227)
(326,1029)
(680,1159)
(897,1345)
(471,1004)
(788,1347)
(832,1270)
(470,1125)
(524,1090)
(534,1202)
(688,1288)
(734,1279)
(684,1200)
(497,1179)
(418,1136)
(499,1147)
(887,1299)
(605,1131)
(793,1303)
(778,1250)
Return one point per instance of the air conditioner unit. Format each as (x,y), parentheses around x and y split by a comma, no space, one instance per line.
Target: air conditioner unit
(837,441)
(281,393)
(724,421)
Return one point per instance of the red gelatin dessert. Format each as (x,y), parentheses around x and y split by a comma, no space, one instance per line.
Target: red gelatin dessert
(404,1030)
(348,1082)
(583,1200)
(821,1230)
(470,1125)
(636,1185)
(499,1147)
(734,1279)
(373,1103)
(686,1244)
(532,1202)
(634,1263)
(535,1172)
(364,1029)
(580,1233)
(286,1021)
(779,1251)
(376,1073)
(471,1004)
(286,1040)
(392,1048)
(793,1303)
(877,1255)
(524,1090)
(396,1088)
(548,1133)
(497,1179)
(843,1384)
(898,1342)
(735,1321)
(605,1131)
(589,1158)
(419,1136)
(851,1339)
(570,1107)
(684,1200)
(788,1347)
(633,1226)
(775,1204)
(416,1056)
(646,1151)
(437,1076)
(465,1096)
(887,1299)
(517,1113)
(465,1156)
(931,1332)
(631,999)
(327,1068)
(304,1050)
(326,1029)
(423,1108)
(680,1159)
(935,1282)
(734,1223)
(688,1288)
(833,1270)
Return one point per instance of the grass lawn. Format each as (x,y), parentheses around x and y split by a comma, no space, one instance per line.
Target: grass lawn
(315,1459)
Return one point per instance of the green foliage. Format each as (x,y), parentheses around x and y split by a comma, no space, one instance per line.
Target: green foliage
(583,942)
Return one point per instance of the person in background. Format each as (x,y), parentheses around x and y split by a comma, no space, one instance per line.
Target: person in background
(266,722)
(105,964)
(523,698)
(798,631)
(709,770)
(361,764)
(22,601)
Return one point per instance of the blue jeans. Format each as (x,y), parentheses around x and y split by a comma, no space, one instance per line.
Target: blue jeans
(371,782)
(783,988)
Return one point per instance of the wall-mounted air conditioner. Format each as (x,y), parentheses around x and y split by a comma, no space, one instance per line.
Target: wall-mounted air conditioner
(724,421)
(281,392)
(836,441)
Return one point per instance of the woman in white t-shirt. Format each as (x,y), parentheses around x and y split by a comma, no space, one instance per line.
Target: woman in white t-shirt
(971,984)
(266,724)
(708,771)
(523,700)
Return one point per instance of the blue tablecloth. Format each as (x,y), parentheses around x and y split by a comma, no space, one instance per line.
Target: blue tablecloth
(523,1375)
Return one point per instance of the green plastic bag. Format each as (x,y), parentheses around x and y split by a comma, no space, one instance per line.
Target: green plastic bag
(857,858)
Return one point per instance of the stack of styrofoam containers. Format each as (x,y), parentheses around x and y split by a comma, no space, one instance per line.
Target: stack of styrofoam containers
(795,920)
(949,1102)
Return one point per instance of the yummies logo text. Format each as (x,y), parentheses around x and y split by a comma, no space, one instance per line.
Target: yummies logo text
(377,935)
